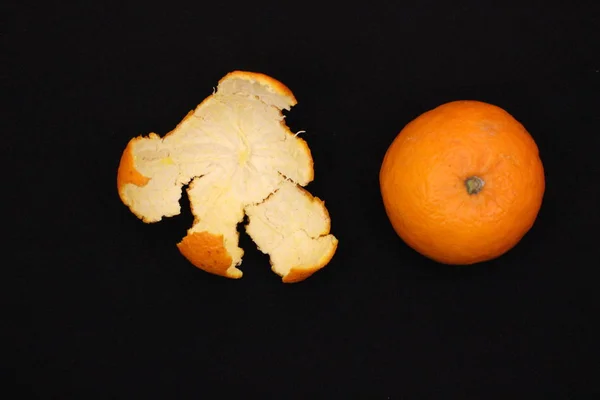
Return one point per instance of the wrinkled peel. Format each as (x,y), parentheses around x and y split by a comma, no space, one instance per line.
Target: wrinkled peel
(207,251)
(292,227)
(234,150)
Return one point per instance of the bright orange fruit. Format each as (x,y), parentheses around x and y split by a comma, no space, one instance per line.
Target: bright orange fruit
(462,183)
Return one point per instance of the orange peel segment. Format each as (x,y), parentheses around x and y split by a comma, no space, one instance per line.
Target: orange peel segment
(206,251)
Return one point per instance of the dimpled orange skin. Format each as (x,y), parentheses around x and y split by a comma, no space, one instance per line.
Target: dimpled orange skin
(424,177)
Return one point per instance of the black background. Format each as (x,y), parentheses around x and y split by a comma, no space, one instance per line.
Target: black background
(101,305)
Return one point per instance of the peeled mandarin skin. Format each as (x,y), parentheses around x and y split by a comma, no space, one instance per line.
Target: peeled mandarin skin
(425,183)
(237,158)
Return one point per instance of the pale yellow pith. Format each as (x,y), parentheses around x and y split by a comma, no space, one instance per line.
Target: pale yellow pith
(291,226)
(235,151)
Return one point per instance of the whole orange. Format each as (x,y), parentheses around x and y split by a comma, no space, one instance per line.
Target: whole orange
(462,183)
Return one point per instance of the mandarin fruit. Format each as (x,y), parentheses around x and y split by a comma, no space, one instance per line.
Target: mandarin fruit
(462,183)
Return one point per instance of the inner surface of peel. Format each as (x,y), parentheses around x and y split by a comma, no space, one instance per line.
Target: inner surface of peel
(235,152)
(292,227)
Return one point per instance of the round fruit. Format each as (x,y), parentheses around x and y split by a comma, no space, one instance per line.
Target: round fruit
(462,183)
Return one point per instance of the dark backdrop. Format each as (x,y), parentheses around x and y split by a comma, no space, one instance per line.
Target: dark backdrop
(100,305)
